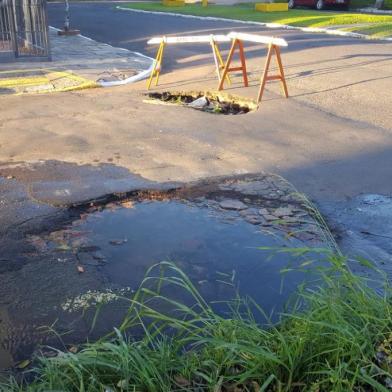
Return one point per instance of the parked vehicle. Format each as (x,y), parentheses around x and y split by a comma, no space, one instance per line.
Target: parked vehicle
(319,4)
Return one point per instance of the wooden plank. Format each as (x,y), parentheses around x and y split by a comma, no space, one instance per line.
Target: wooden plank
(189,39)
(263,39)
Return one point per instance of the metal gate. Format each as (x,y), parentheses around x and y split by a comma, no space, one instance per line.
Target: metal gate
(24,30)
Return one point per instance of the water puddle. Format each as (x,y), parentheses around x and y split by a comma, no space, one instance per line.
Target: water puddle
(212,234)
(206,244)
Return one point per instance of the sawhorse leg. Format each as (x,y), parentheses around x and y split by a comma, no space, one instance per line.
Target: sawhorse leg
(157,66)
(265,77)
(219,64)
(236,43)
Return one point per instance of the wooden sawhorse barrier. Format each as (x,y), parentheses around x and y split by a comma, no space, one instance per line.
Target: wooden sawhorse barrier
(213,40)
(274,45)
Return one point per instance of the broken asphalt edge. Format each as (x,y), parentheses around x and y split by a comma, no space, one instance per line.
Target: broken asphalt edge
(268,25)
(132,79)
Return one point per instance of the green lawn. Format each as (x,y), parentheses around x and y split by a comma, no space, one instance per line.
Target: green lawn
(375,25)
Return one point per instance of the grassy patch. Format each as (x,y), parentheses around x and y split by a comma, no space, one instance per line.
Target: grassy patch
(297,17)
(379,30)
(326,342)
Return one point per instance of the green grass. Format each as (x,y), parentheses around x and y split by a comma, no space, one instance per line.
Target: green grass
(296,17)
(327,342)
(378,30)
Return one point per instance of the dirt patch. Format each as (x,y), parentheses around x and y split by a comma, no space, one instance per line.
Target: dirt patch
(206,102)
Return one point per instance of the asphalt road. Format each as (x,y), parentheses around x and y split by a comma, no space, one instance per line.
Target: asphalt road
(131,30)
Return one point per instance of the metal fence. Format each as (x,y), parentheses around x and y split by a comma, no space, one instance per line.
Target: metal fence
(24,29)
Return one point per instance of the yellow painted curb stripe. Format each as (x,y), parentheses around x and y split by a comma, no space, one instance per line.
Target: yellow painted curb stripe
(15,82)
(83,86)
(50,77)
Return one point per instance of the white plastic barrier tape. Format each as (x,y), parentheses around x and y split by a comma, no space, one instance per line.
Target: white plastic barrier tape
(189,39)
(263,39)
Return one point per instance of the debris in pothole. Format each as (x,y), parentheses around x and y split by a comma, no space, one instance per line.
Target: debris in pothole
(93,298)
(80,269)
(207,102)
(199,103)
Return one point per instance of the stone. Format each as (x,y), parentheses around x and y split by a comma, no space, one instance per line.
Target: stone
(273,196)
(253,219)
(249,211)
(252,216)
(230,204)
(98,256)
(300,214)
(88,259)
(289,219)
(283,211)
(271,218)
(264,211)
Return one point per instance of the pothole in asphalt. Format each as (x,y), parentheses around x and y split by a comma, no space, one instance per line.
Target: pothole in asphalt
(206,102)
(218,232)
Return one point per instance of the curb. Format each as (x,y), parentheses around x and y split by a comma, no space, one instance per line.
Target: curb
(132,79)
(374,11)
(268,25)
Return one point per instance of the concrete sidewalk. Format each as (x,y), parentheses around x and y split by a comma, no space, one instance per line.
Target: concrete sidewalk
(77,62)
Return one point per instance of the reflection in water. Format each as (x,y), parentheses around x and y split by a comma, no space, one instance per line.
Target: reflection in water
(202,242)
